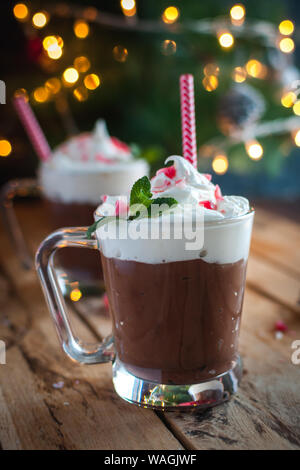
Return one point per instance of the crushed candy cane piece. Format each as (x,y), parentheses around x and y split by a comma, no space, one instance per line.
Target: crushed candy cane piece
(121,207)
(101,158)
(59,384)
(162,187)
(278,335)
(208,176)
(169,171)
(280,326)
(120,145)
(105,301)
(208,205)
(218,193)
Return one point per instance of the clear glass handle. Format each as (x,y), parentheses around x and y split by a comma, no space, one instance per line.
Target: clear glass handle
(12,189)
(73,347)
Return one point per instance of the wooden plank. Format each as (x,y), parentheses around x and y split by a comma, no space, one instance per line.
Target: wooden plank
(94,312)
(278,240)
(85,413)
(8,434)
(265,414)
(269,221)
(262,415)
(276,284)
(13,322)
(31,418)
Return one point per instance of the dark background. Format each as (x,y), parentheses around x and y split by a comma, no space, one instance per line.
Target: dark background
(139,99)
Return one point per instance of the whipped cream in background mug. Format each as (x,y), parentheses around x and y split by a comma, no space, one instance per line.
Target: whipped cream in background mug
(71,182)
(88,165)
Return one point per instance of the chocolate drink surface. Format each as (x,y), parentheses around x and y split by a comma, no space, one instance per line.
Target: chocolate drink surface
(76,262)
(178,322)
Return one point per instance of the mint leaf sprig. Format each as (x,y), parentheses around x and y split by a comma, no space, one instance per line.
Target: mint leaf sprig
(92,228)
(140,195)
(141,192)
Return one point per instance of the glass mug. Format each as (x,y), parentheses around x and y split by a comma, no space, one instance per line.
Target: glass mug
(71,264)
(176,325)
(70,198)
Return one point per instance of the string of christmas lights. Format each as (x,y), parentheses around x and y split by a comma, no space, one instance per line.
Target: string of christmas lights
(79,77)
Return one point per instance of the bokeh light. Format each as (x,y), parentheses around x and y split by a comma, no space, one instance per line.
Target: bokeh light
(50,41)
(21,11)
(70,75)
(128,7)
(41,94)
(90,13)
(54,52)
(297,138)
(210,83)
(170,15)
(82,64)
(286,45)
(254,150)
(211,69)
(53,85)
(256,69)
(127,4)
(226,40)
(120,53)
(296,108)
(60,41)
(237,12)
(21,92)
(5,148)
(81,29)
(40,19)
(81,93)
(92,81)
(239,74)
(288,99)
(220,164)
(286,27)
(75,295)
(169,47)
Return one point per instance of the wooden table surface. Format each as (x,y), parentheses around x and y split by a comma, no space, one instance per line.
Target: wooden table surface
(85,413)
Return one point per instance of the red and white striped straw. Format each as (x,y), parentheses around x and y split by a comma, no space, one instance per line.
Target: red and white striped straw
(188,122)
(32,127)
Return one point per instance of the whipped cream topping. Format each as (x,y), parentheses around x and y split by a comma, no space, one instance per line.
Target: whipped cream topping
(91,150)
(185,184)
(191,190)
(226,240)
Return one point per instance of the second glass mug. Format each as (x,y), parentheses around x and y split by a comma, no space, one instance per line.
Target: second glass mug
(72,265)
(175,324)
(69,197)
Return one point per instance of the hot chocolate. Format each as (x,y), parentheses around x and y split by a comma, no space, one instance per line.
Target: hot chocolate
(78,264)
(175,323)
(175,305)
(176,312)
